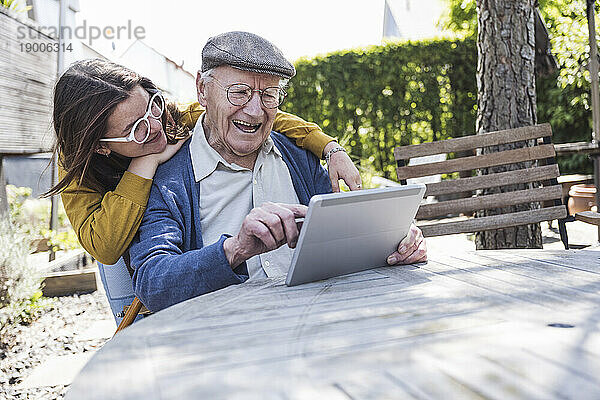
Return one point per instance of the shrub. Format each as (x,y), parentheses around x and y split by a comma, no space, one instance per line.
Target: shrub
(380,97)
(32,217)
(20,281)
(401,93)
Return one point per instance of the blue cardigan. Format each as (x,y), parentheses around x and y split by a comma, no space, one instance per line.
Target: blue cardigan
(171,263)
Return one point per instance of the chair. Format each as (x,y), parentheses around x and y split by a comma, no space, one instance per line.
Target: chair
(543,187)
(119,291)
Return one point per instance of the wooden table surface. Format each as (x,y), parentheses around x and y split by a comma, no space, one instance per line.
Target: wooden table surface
(489,324)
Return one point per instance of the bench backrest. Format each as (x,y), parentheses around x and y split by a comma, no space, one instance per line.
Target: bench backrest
(542,175)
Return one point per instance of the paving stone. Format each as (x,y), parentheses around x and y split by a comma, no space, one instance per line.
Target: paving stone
(101,329)
(60,370)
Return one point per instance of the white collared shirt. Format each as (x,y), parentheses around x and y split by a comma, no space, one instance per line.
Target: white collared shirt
(228,192)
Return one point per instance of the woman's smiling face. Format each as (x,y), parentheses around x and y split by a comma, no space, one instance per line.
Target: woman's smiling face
(120,122)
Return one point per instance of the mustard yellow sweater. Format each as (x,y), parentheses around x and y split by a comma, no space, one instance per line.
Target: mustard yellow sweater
(106,222)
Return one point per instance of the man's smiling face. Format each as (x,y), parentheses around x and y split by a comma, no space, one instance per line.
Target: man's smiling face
(236,130)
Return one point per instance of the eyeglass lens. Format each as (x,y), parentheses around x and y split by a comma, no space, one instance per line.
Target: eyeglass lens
(141,129)
(240,94)
(158,106)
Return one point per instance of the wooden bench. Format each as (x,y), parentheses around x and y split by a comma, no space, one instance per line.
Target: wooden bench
(540,181)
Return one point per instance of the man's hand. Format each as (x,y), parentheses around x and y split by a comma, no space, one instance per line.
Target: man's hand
(341,167)
(266,228)
(412,249)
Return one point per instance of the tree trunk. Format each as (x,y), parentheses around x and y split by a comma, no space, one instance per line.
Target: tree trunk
(506,100)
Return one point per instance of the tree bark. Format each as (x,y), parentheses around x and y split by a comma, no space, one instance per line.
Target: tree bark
(506,100)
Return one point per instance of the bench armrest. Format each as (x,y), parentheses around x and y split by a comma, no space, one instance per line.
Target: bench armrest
(588,216)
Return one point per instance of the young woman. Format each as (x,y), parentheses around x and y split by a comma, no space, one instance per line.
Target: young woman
(113,129)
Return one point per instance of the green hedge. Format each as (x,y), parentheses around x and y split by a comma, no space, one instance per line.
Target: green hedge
(376,98)
(568,111)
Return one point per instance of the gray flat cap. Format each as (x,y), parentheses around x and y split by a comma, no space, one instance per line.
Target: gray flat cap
(246,51)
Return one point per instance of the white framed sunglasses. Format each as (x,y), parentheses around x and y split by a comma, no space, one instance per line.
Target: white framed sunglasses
(140,131)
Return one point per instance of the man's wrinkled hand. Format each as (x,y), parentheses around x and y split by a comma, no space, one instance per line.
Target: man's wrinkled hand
(412,249)
(264,229)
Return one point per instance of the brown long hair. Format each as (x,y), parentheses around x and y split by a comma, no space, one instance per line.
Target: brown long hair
(84,97)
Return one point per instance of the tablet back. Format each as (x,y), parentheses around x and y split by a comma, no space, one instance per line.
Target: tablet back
(352,231)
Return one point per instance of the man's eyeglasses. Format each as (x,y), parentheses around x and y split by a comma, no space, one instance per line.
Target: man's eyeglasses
(240,94)
(140,131)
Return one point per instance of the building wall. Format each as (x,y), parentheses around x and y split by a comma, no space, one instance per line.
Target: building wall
(45,13)
(31,171)
(26,84)
(175,82)
(415,19)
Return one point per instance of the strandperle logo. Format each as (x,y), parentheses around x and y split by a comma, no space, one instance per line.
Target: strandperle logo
(84,32)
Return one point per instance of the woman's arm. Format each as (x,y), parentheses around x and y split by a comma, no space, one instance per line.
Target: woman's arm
(309,136)
(306,135)
(106,223)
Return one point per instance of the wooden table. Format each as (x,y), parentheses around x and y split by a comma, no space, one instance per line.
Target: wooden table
(488,324)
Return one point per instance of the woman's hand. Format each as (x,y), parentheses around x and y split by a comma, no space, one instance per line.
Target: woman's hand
(340,166)
(145,166)
(168,152)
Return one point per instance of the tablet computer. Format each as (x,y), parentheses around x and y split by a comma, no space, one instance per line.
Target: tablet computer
(349,232)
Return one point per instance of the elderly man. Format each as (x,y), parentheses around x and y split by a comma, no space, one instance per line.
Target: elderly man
(222,209)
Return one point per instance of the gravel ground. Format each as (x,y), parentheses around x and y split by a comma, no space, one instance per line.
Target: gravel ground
(54,333)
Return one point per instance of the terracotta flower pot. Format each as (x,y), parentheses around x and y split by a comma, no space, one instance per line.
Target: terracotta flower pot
(581,198)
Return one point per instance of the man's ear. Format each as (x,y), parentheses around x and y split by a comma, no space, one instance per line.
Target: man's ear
(201,89)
